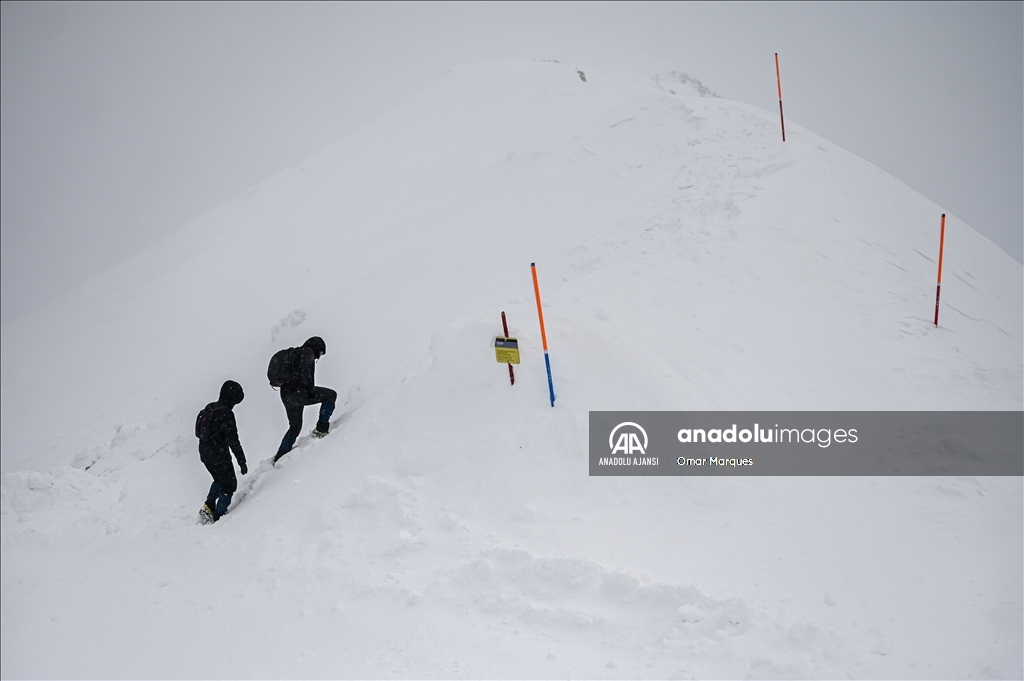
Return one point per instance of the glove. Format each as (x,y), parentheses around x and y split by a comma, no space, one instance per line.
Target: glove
(243,467)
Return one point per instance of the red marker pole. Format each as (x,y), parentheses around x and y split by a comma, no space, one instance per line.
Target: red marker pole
(938,284)
(504,326)
(778,79)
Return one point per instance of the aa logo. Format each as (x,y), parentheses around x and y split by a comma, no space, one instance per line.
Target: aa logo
(628,441)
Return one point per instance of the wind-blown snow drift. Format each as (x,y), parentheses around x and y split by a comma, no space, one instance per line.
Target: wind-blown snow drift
(688,259)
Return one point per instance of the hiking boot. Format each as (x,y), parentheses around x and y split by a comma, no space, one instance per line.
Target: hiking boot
(206,515)
(321,429)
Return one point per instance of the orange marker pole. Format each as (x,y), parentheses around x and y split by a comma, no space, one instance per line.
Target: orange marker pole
(543,335)
(778,78)
(504,326)
(938,285)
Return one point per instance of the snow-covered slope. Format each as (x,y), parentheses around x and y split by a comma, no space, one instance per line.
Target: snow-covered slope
(688,260)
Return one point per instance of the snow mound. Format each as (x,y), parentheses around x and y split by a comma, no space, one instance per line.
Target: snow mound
(677,83)
(447,527)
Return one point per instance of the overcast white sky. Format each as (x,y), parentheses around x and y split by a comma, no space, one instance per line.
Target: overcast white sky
(121,122)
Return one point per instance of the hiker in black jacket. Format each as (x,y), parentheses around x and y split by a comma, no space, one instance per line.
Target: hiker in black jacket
(300,390)
(217,433)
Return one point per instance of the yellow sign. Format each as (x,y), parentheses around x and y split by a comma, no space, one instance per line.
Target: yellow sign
(506,350)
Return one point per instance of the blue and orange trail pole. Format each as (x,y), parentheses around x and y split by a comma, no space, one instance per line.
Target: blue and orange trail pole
(543,334)
(938,284)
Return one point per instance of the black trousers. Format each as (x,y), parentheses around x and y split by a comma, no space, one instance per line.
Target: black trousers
(295,399)
(217,459)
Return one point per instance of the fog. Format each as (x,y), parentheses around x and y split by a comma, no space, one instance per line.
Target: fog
(121,122)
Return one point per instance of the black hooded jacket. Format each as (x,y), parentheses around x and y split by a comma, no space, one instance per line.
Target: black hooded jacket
(223,427)
(304,365)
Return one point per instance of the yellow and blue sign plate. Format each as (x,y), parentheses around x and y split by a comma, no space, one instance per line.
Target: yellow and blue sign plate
(506,350)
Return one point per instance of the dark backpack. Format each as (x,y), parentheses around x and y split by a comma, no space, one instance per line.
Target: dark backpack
(281,369)
(205,426)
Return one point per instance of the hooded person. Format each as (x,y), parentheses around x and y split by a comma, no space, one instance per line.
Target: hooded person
(300,390)
(218,433)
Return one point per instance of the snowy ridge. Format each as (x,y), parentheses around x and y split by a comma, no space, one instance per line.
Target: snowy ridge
(681,83)
(448,528)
